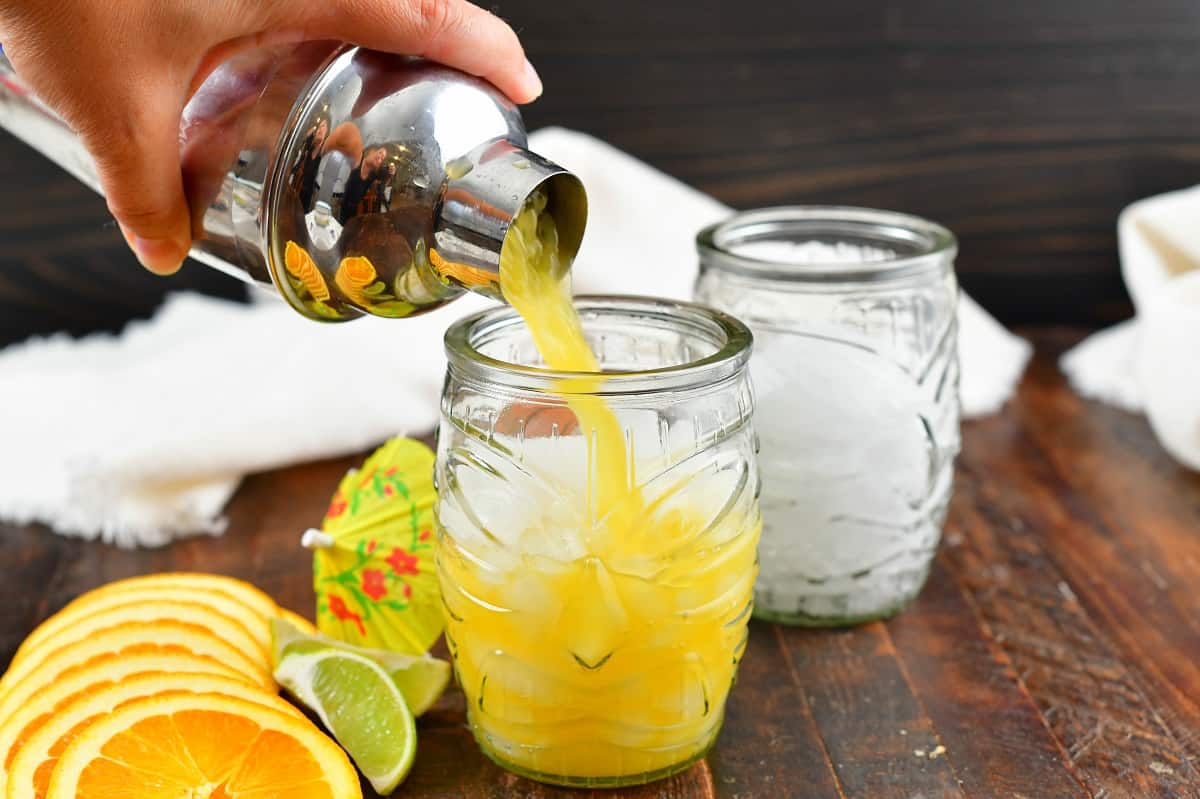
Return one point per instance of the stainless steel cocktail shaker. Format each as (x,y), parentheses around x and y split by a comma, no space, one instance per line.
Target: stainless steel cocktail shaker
(353,181)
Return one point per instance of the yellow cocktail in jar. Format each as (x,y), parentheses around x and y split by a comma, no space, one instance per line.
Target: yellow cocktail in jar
(600,664)
(597,534)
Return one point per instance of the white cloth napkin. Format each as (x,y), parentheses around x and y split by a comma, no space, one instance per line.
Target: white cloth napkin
(143,437)
(1150,363)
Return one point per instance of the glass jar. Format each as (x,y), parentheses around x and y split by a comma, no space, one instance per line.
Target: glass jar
(596,643)
(856,379)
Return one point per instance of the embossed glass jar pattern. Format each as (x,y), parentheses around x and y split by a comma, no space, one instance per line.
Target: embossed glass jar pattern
(596,644)
(856,378)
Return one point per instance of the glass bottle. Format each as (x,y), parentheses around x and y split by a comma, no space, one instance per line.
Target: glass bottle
(856,378)
(596,646)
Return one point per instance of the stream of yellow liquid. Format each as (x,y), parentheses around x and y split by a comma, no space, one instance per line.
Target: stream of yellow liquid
(613,665)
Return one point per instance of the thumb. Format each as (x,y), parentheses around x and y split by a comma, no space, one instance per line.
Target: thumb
(452,32)
(137,159)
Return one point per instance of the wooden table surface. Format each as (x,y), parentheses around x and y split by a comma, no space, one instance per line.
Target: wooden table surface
(1055,651)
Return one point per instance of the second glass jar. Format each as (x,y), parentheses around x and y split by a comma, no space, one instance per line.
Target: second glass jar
(595,641)
(856,375)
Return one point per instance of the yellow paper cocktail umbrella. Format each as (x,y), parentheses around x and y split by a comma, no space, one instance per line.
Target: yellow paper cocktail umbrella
(373,558)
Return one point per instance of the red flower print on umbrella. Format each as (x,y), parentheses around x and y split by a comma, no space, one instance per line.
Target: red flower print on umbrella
(337,506)
(373,584)
(403,563)
(373,556)
(337,606)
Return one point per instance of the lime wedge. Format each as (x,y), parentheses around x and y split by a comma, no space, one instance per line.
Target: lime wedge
(360,705)
(421,678)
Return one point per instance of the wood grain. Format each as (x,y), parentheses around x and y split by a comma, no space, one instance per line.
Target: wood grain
(766,742)
(1131,731)
(1093,702)
(1024,126)
(1052,654)
(871,723)
(991,729)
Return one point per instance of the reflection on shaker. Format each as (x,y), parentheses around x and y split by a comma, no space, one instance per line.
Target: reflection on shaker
(361,192)
(309,161)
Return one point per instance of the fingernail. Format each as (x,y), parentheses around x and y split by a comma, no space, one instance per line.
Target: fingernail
(533,81)
(160,256)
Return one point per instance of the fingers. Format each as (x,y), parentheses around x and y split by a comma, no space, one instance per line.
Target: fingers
(137,158)
(453,32)
(166,48)
(117,76)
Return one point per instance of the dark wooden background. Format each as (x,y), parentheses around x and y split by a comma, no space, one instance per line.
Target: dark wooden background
(1024,126)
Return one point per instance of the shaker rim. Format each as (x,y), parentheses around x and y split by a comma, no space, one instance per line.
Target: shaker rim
(918,245)
(733,345)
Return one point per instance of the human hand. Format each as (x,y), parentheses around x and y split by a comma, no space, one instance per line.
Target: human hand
(120,74)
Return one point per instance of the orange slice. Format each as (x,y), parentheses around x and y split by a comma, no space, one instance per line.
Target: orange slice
(89,604)
(245,593)
(225,628)
(299,622)
(25,720)
(171,634)
(202,745)
(37,756)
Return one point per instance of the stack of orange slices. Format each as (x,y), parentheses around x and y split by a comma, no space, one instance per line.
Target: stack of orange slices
(158,687)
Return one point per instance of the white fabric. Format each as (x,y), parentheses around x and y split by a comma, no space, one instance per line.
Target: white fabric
(1150,363)
(992,360)
(143,437)
(1101,366)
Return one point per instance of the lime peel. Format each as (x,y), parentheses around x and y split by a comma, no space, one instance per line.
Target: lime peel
(361,706)
(421,678)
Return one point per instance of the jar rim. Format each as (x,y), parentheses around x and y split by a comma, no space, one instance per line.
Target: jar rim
(464,337)
(921,246)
